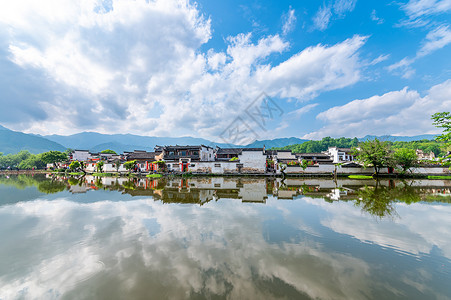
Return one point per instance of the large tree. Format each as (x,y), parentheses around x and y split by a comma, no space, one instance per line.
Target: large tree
(405,159)
(130,165)
(443,120)
(53,157)
(373,153)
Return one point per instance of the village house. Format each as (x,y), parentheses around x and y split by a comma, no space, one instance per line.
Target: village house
(423,156)
(181,158)
(145,160)
(316,158)
(226,154)
(340,155)
(81,155)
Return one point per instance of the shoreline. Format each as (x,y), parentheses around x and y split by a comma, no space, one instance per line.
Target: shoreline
(189,175)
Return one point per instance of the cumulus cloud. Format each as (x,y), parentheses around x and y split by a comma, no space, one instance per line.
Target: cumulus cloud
(137,67)
(402,112)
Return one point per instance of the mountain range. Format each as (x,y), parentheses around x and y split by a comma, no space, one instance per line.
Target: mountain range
(15,141)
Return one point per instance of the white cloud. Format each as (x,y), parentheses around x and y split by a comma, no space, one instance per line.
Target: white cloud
(322,17)
(435,40)
(334,9)
(375,18)
(289,22)
(341,7)
(379,59)
(303,110)
(137,67)
(418,8)
(402,112)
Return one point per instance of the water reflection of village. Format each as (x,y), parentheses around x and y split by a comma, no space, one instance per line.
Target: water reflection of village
(199,190)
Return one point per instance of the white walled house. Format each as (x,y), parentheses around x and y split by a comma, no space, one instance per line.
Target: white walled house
(81,155)
(285,154)
(340,155)
(252,160)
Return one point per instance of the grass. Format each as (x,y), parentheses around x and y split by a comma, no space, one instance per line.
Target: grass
(103,174)
(440,177)
(76,173)
(360,177)
(154,175)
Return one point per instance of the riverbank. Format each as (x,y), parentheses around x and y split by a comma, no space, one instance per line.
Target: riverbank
(264,175)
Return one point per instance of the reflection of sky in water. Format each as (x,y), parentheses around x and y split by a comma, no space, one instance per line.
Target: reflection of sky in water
(70,245)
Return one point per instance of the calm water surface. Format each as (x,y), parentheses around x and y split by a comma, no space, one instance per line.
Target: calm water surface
(224,238)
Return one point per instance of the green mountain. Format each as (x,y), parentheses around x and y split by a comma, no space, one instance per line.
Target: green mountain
(280,142)
(396,138)
(95,142)
(14,141)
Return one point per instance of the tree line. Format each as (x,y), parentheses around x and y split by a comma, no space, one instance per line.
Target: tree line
(437,147)
(25,160)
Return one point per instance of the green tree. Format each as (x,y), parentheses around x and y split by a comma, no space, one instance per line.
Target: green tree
(130,165)
(108,151)
(69,151)
(117,165)
(405,158)
(373,153)
(14,160)
(32,162)
(51,187)
(99,166)
(443,120)
(74,165)
(53,157)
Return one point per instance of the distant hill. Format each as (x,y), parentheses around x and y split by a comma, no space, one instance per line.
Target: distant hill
(280,142)
(14,141)
(394,138)
(95,142)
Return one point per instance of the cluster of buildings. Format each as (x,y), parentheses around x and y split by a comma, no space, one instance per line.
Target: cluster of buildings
(203,159)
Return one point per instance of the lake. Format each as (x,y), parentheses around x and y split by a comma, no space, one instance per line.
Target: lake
(224,238)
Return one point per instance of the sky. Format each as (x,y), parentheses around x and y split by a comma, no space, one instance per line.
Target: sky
(225,70)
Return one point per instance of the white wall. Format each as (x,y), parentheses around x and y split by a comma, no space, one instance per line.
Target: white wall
(253,161)
(285,155)
(213,167)
(81,155)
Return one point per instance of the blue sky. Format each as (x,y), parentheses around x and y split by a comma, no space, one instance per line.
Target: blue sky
(176,68)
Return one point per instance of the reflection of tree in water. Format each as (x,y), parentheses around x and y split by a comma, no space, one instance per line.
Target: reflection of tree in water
(129,184)
(22,181)
(51,186)
(98,182)
(73,181)
(379,200)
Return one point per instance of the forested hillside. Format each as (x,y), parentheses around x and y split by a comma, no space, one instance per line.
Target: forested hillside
(438,148)
(323,145)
